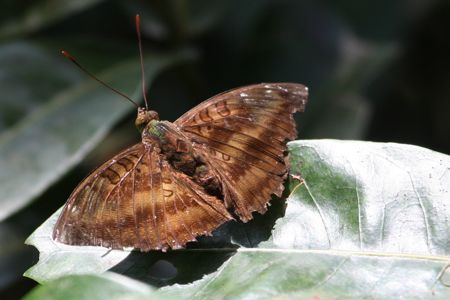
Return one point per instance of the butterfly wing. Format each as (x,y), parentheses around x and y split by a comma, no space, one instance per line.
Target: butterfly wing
(138,200)
(242,136)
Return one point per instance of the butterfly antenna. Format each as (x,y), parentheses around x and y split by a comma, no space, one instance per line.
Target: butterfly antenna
(72,59)
(141,56)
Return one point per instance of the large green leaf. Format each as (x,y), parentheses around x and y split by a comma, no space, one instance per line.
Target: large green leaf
(37,151)
(369,197)
(369,221)
(110,285)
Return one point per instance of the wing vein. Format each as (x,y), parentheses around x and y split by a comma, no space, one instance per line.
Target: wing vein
(271,154)
(133,201)
(167,226)
(241,151)
(152,193)
(184,224)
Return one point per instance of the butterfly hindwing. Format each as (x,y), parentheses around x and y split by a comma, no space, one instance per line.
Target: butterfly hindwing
(137,199)
(241,135)
(245,187)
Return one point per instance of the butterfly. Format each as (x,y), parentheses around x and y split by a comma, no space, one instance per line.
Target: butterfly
(219,161)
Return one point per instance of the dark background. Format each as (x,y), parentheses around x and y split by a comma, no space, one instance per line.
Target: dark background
(377,71)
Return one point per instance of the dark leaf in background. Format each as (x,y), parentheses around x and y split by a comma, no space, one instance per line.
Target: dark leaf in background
(413,93)
(23,85)
(57,136)
(22,18)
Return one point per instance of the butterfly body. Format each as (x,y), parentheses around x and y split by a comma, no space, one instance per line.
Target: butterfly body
(184,178)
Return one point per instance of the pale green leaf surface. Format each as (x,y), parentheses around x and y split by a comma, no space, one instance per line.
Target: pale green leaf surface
(368,196)
(44,146)
(370,221)
(107,286)
(56,259)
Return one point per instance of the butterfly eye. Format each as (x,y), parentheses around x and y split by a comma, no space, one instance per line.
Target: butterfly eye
(144,117)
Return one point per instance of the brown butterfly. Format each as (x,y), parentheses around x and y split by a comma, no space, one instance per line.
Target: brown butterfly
(180,182)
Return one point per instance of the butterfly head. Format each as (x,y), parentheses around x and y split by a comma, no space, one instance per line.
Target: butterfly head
(144,117)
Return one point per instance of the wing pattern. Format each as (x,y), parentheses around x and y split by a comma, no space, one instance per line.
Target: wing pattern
(138,200)
(242,134)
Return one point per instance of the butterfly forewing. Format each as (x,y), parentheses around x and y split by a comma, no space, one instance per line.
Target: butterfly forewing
(190,209)
(242,135)
(138,200)
(90,205)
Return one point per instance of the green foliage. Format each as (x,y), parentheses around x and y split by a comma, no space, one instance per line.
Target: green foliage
(376,71)
(22,19)
(366,217)
(108,286)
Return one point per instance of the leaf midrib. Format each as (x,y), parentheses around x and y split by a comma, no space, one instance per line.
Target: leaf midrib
(397,255)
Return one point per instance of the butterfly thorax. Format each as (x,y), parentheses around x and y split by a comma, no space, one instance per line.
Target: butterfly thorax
(174,145)
(177,149)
